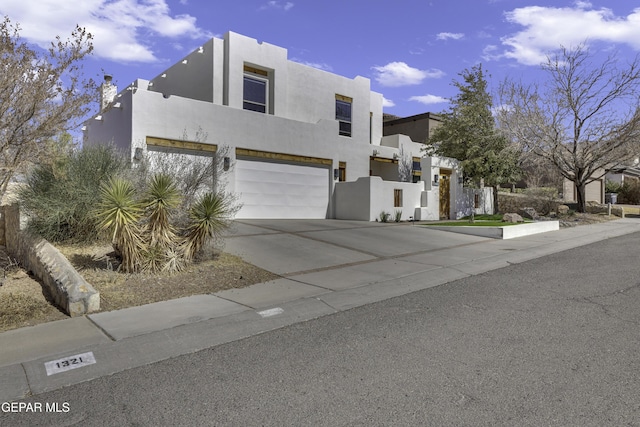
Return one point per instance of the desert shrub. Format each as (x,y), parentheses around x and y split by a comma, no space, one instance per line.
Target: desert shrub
(397,215)
(142,229)
(384,216)
(629,193)
(59,195)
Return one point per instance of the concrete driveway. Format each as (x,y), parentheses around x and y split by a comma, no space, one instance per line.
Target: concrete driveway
(294,247)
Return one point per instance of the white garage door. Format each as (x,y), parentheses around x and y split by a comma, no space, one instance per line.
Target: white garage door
(281,190)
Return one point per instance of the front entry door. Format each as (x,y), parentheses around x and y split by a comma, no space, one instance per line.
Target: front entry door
(445,179)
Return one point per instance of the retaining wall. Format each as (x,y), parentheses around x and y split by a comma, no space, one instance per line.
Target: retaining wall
(69,289)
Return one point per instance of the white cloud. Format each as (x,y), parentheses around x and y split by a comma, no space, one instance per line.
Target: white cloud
(274,4)
(429,99)
(490,53)
(120,27)
(447,36)
(387,102)
(400,74)
(548,28)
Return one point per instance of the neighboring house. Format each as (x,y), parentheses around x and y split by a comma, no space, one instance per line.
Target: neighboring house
(303,143)
(419,127)
(594,191)
(619,175)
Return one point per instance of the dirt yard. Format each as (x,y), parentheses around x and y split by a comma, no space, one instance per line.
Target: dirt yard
(24,303)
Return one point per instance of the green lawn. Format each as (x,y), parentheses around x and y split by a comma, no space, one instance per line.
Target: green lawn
(479,221)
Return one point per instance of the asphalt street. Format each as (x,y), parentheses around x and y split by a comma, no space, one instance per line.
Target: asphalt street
(553,341)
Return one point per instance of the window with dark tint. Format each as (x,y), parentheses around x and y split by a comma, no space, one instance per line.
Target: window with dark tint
(343,115)
(255,94)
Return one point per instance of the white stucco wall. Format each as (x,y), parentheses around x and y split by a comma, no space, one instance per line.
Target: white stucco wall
(466,198)
(353,200)
(191,77)
(367,197)
(204,92)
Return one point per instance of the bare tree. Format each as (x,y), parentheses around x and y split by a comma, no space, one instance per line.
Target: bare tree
(405,166)
(42,94)
(584,120)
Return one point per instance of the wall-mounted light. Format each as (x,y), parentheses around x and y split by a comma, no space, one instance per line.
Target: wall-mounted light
(395,156)
(375,153)
(164,75)
(185,61)
(137,154)
(436,178)
(226,163)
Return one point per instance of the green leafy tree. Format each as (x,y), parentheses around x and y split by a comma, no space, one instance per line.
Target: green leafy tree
(468,134)
(42,94)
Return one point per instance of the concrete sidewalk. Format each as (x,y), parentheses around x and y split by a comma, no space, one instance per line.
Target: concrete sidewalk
(326,267)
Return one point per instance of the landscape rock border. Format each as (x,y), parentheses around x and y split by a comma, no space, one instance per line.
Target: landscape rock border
(68,288)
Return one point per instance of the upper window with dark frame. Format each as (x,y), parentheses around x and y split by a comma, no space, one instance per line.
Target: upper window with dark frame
(343,114)
(255,95)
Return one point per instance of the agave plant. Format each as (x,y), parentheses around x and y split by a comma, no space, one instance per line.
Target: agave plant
(208,218)
(119,212)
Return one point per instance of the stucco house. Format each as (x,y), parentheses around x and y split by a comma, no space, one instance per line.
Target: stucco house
(302,142)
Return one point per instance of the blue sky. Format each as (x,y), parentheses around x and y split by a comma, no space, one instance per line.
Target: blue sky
(411,50)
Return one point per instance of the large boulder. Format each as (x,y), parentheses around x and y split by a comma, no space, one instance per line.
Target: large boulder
(512,217)
(528,213)
(562,210)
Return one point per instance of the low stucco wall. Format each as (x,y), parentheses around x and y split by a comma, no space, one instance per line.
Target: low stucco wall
(69,290)
(365,198)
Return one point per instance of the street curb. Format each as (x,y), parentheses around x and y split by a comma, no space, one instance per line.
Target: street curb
(125,350)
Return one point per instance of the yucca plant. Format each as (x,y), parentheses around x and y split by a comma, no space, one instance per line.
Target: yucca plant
(208,218)
(119,212)
(162,198)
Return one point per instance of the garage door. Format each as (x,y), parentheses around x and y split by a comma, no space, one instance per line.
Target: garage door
(281,190)
(593,192)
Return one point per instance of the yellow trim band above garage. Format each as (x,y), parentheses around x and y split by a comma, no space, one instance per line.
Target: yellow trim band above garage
(184,145)
(281,156)
(383,159)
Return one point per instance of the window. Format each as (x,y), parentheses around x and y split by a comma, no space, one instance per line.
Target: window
(342,171)
(416,169)
(397,198)
(255,95)
(343,114)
